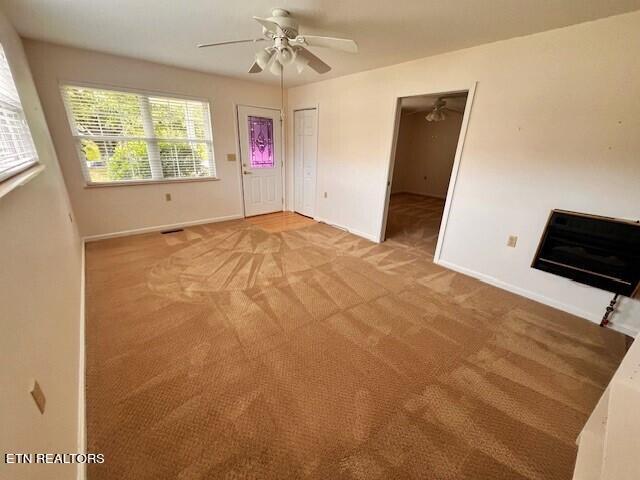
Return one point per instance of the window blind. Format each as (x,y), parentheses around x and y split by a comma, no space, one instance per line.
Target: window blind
(124,136)
(17,151)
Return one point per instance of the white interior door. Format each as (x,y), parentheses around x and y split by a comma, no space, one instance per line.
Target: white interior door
(261,157)
(305,159)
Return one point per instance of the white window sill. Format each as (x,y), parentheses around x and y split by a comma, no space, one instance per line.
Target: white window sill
(20,179)
(150,182)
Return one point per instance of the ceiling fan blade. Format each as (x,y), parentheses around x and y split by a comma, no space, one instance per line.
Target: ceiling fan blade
(342,44)
(255,68)
(264,57)
(314,62)
(230,42)
(271,26)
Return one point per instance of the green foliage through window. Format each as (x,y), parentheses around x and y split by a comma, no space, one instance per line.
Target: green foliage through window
(126,136)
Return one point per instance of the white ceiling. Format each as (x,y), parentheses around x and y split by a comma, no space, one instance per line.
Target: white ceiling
(388,32)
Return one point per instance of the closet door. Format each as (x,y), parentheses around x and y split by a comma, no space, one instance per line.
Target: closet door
(305,160)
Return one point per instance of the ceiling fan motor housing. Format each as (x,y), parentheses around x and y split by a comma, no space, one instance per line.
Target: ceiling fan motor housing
(287,24)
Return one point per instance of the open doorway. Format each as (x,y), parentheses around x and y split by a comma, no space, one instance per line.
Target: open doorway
(427,144)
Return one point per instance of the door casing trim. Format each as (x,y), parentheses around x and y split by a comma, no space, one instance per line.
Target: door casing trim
(471,91)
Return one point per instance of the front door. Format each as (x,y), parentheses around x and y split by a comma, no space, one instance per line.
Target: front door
(261,156)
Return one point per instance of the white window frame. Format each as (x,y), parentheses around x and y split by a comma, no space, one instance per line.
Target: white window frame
(22,169)
(152,141)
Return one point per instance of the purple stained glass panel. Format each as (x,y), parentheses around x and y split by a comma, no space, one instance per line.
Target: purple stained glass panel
(261,142)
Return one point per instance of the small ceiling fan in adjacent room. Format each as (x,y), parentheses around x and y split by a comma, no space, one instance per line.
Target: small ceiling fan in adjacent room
(288,47)
(439,111)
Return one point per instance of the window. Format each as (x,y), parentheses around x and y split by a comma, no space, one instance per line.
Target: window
(17,152)
(133,137)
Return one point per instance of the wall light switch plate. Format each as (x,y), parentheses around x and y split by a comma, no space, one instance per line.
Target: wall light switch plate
(167,197)
(512,240)
(231,157)
(38,396)
(325,194)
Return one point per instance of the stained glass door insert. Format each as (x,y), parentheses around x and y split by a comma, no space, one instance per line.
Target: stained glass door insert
(260,142)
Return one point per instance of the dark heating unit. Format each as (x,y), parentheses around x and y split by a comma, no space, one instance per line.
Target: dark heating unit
(598,251)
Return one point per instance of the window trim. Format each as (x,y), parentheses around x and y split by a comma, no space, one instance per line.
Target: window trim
(139,91)
(127,183)
(20,179)
(18,169)
(136,91)
(20,174)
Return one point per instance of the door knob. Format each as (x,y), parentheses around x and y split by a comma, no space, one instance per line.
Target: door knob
(247,173)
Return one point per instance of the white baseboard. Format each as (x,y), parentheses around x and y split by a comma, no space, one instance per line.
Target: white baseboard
(82,419)
(350,230)
(520,291)
(538,298)
(158,228)
(633,333)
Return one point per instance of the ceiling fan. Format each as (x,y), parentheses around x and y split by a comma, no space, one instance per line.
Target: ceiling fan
(439,111)
(288,46)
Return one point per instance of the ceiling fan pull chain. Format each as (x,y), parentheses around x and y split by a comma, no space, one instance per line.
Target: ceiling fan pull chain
(281,95)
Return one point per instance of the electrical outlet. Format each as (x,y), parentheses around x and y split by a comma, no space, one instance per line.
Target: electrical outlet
(38,396)
(325,194)
(512,240)
(167,197)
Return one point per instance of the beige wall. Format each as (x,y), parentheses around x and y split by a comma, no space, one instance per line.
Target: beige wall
(554,124)
(404,154)
(114,209)
(424,154)
(39,300)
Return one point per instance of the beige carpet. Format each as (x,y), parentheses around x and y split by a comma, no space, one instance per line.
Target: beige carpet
(229,352)
(413,222)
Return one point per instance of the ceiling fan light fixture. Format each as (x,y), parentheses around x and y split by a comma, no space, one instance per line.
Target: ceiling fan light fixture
(435,115)
(286,56)
(288,46)
(275,67)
